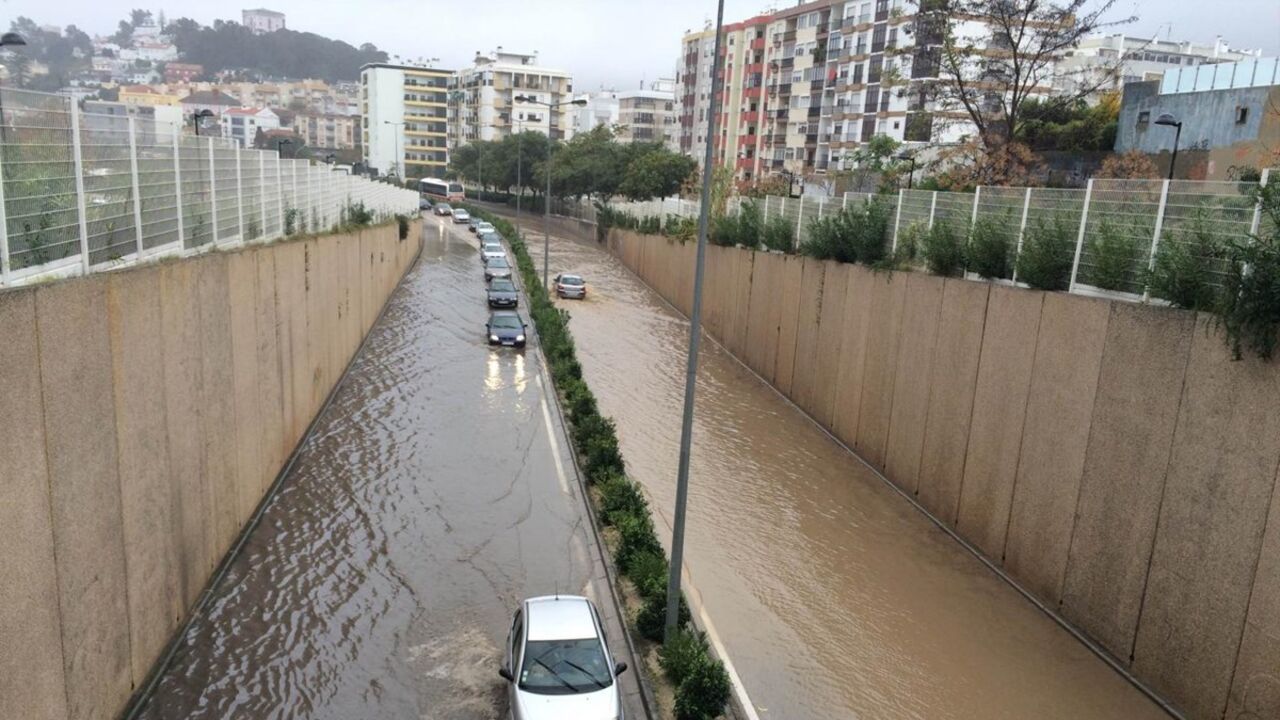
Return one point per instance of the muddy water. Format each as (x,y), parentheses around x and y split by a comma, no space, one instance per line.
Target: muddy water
(832,595)
(425,504)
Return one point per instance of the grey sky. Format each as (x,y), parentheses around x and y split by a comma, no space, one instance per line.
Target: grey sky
(611,42)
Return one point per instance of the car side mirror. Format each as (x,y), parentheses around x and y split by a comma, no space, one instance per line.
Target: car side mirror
(525,325)
(486,326)
(619,668)
(505,674)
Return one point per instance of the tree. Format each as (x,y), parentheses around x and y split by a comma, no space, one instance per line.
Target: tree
(1074,128)
(123,35)
(872,157)
(285,53)
(1132,165)
(139,17)
(655,173)
(993,56)
(973,164)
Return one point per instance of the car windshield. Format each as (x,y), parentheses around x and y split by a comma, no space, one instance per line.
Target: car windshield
(571,280)
(463,214)
(443,206)
(494,249)
(498,262)
(505,322)
(554,667)
(501,285)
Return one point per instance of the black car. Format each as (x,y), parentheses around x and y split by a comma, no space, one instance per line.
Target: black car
(503,294)
(506,328)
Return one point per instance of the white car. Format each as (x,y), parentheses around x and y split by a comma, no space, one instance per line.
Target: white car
(461,217)
(558,663)
(492,250)
(483,227)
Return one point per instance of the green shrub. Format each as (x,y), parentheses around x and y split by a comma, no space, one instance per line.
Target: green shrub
(649,572)
(827,239)
(871,234)
(991,248)
(910,244)
(601,455)
(703,694)
(402,221)
(681,228)
(357,214)
(943,250)
(777,235)
(620,496)
(635,536)
(1047,254)
(853,234)
(1183,270)
(1115,254)
(679,656)
(651,618)
(1250,307)
(724,231)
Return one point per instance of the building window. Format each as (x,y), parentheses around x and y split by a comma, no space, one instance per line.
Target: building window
(1242,115)
(1144,117)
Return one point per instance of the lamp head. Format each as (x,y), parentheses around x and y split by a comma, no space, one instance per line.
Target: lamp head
(12,38)
(1168,120)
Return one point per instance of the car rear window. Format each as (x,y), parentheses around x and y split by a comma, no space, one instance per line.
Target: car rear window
(571,280)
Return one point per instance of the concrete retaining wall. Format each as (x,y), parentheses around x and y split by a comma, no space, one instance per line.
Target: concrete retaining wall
(144,415)
(1109,456)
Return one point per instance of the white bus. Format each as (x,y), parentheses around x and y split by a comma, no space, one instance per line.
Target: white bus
(441,190)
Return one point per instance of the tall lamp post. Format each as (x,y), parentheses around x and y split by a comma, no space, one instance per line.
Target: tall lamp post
(1170,121)
(912,159)
(198,117)
(395,166)
(546,200)
(695,336)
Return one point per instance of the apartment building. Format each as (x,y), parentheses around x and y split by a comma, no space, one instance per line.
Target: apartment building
(262,21)
(648,115)
(805,86)
(405,119)
(331,132)
(1117,60)
(243,124)
(483,106)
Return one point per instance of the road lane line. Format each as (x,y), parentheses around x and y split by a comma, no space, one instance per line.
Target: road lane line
(551,436)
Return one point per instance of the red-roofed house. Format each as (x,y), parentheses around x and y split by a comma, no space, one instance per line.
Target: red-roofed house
(242,124)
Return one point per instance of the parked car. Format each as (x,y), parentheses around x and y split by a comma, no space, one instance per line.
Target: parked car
(473,223)
(488,236)
(484,227)
(558,664)
(424,204)
(492,250)
(571,286)
(442,209)
(505,328)
(497,267)
(461,216)
(503,294)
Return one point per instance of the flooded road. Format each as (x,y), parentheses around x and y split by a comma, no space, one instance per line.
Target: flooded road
(429,499)
(833,596)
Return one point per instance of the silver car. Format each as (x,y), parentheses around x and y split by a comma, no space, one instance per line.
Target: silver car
(558,663)
(497,267)
(571,286)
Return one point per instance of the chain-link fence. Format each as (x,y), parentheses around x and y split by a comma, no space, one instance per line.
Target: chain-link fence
(86,191)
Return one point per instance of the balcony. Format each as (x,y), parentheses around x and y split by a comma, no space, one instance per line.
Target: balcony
(789,36)
(787,63)
(778,138)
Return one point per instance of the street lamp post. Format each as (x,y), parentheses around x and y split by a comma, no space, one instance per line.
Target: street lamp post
(912,159)
(1170,121)
(695,336)
(200,116)
(519,174)
(395,166)
(546,200)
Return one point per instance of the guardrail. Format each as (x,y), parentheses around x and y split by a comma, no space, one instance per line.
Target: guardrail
(82,192)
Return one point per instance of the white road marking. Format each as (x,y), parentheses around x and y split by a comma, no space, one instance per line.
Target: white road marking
(551,437)
(713,637)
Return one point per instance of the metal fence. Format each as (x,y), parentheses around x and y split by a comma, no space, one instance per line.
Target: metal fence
(1108,219)
(82,192)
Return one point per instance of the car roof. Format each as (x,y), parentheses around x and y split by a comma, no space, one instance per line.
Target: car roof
(504,313)
(570,276)
(563,617)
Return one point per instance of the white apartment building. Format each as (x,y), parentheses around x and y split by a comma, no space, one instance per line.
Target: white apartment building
(405,119)
(601,109)
(1117,59)
(261,20)
(482,105)
(243,124)
(645,115)
(693,91)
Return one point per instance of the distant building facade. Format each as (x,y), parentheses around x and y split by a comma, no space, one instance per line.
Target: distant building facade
(176,72)
(331,132)
(404,123)
(648,116)
(243,124)
(146,95)
(1112,61)
(262,21)
(1228,114)
(484,105)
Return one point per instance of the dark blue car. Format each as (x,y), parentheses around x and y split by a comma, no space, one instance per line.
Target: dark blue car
(506,328)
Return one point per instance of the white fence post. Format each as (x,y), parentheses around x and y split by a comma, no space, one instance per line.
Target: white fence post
(177,180)
(137,196)
(1084,221)
(1022,231)
(78,163)
(239,195)
(213,193)
(5,268)
(933,208)
(280,192)
(1257,209)
(897,222)
(799,220)
(1155,236)
(973,219)
(821,203)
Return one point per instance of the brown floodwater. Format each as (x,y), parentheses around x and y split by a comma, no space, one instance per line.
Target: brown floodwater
(431,496)
(833,596)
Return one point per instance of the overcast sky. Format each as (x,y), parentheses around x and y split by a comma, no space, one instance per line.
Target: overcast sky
(616,43)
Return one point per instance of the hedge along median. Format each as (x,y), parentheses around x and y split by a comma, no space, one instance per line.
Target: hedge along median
(699,681)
